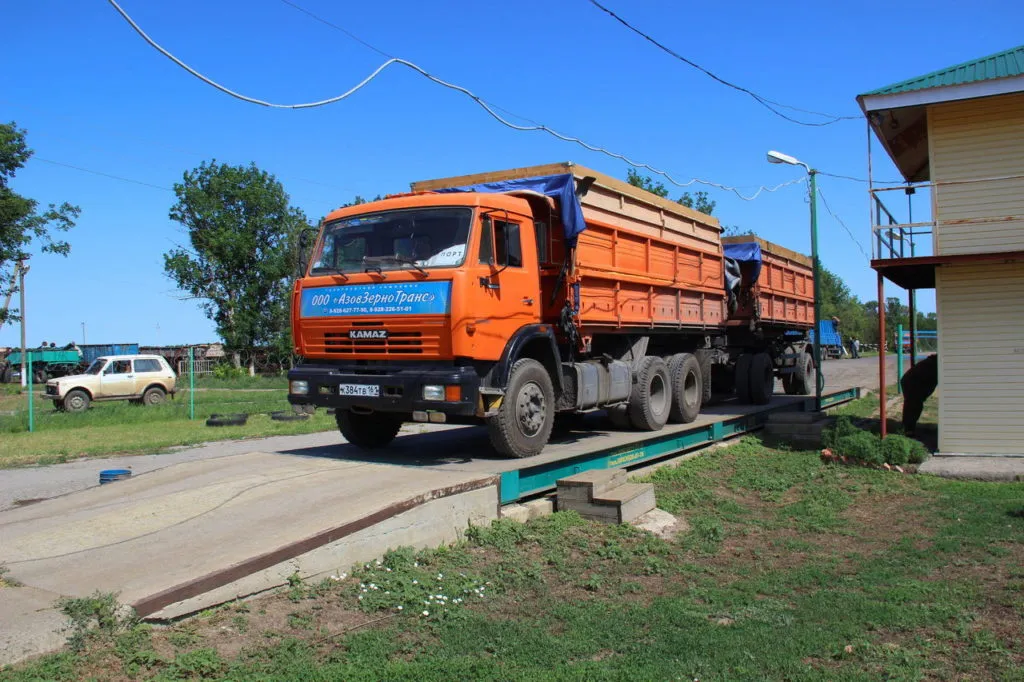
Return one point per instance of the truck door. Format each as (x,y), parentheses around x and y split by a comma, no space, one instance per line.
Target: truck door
(506,293)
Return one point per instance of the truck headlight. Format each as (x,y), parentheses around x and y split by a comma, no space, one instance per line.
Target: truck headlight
(298,387)
(433,392)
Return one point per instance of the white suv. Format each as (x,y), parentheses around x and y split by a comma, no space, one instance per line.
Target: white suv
(142,379)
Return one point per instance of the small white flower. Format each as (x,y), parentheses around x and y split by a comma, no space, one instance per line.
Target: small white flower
(426,613)
(416,563)
(400,607)
(388,570)
(387,591)
(378,562)
(360,597)
(440,576)
(415,582)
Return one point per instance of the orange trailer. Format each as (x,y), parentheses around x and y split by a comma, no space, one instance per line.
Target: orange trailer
(504,298)
(778,289)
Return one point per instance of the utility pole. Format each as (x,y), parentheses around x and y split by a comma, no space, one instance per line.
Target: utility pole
(22,269)
(83,334)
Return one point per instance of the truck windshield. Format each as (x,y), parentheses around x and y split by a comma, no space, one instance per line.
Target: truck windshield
(417,239)
(96,366)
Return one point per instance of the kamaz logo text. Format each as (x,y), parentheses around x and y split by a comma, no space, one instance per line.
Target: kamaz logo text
(368,333)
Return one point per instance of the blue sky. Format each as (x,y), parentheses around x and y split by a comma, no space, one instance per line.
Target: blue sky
(93,95)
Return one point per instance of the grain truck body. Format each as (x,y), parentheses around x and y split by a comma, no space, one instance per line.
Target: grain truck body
(508,297)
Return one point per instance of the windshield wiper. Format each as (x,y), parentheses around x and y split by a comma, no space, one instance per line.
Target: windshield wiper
(330,271)
(394,259)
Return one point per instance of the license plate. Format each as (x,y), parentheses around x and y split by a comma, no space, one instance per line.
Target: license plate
(368,390)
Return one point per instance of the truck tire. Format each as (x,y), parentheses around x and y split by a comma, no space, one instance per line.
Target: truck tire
(762,379)
(76,400)
(651,399)
(39,376)
(804,375)
(368,431)
(687,388)
(154,395)
(523,424)
(704,358)
(743,378)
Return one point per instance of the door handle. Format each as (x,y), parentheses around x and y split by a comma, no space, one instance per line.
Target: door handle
(527,300)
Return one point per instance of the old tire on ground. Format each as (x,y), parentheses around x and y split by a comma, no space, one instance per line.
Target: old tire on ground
(687,388)
(651,399)
(154,395)
(523,424)
(804,376)
(282,416)
(368,431)
(227,419)
(743,378)
(76,400)
(762,379)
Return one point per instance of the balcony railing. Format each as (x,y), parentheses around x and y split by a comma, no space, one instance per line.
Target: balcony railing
(895,237)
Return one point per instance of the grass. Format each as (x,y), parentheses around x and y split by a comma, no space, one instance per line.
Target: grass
(116,428)
(791,569)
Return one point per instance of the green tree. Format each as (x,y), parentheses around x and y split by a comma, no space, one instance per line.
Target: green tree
(243,237)
(21,221)
(699,201)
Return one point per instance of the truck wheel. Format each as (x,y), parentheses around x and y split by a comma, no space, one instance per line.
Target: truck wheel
(522,426)
(743,378)
(651,399)
(76,400)
(39,376)
(687,388)
(704,359)
(368,431)
(154,396)
(762,379)
(804,376)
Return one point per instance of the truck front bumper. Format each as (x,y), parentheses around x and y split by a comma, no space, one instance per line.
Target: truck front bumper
(386,389)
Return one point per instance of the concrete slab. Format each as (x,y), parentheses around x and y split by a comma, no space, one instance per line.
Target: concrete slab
(983,468)
(30,626)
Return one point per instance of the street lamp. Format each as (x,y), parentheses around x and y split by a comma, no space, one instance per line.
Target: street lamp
(779,157)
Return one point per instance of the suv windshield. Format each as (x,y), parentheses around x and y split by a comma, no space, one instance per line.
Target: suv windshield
(394,240)
(96,366)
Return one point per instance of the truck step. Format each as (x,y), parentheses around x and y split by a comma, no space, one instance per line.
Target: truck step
(586,485)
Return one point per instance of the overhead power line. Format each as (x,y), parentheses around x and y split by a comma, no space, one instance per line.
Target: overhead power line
(100,173)
(458,88)
(840,221)
(763,101)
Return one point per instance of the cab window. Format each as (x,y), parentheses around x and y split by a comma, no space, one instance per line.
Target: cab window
(514,257)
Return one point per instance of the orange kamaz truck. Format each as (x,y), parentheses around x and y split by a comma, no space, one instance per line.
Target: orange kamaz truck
(513,297)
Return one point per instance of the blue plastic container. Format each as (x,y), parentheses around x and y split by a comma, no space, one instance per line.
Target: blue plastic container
(111,475)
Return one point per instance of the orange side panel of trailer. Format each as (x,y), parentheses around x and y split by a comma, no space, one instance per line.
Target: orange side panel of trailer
(784,291)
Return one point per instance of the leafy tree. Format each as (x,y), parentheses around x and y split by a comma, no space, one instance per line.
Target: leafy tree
(699,201)
(243,236)
(21,222)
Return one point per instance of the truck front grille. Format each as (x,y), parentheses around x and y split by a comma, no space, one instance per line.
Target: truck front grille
(425,337)
(396,343)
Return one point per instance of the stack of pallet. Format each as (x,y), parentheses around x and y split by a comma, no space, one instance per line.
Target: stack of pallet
(604,495)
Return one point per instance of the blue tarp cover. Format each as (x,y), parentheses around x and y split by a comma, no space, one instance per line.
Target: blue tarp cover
(745,252)
(561,187)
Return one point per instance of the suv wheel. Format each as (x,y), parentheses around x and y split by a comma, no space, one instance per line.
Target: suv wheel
(154,396)
(76,400)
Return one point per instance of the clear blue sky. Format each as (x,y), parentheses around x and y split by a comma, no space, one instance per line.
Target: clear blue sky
(93,95)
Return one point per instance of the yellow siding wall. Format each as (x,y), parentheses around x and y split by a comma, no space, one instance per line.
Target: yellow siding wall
(981,358)
(973,139)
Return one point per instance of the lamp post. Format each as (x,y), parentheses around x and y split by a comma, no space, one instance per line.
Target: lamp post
(779,157)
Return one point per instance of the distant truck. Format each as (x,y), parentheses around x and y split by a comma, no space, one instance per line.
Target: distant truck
(831,340)
(506,298)
(57,362)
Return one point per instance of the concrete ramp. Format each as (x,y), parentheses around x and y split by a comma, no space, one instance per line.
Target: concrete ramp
(198,533)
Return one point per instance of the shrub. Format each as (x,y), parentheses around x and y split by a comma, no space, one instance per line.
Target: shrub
(918,452)
(843,427)
(896,449)
(226,371)
(862,446)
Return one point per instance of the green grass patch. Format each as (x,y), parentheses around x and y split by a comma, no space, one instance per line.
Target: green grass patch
(121,428)
(791,569)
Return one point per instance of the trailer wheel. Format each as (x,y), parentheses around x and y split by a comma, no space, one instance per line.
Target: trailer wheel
(76,400)
(804,376)
(743,378)
(368,431)
(687,388)
(762,379)
(522,426)
(651,399)
(704,358)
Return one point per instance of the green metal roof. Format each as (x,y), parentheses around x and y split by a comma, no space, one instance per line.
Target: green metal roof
(1000,65)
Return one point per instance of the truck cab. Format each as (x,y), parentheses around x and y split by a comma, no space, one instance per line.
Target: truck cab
(408,307)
